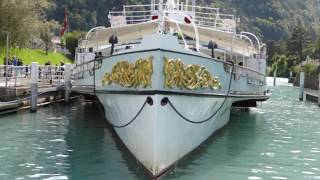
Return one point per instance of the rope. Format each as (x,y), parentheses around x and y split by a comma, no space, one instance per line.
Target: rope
(148,100)
(215,113)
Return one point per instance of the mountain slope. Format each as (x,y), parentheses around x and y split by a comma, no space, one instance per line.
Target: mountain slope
(270,19)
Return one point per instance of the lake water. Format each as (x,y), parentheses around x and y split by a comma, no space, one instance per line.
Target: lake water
(278,140)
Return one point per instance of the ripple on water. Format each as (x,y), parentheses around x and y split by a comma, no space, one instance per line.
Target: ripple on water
(57,178)
(308,172)
(278,177)
(295,151)
(41,175)
(57,140)
(254,178)
(275,141)
(62,155)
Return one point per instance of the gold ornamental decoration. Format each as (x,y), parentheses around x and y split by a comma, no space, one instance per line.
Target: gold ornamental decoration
(191,77)
(130,74)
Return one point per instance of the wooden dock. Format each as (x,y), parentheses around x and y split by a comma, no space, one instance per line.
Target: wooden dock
(26,87)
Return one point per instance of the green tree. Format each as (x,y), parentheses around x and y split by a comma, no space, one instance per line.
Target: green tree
(47,31)
(22,19)
(298,42)
(72,39)
(280,65)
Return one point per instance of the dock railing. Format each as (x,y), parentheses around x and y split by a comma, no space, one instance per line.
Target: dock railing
(19,76)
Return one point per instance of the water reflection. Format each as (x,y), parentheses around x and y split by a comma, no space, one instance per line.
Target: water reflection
(220,150)
(278,140)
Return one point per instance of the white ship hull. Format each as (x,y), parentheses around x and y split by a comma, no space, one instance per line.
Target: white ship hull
(163,94)
(159,136)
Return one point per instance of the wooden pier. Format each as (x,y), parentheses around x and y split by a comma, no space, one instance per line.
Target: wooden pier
(311,95)
(24,87)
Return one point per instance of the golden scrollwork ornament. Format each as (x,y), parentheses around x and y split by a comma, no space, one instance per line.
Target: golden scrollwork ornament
(190,77)
(131,74)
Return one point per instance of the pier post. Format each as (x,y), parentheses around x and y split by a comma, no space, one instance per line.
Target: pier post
(34,87)
(67,82)
(302,74)
(319,92)
(274,77)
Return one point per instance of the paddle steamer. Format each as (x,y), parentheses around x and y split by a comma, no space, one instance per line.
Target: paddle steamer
(167,74)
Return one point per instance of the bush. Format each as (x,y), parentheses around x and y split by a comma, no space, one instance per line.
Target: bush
(281,65)
(310,68)
(71,41)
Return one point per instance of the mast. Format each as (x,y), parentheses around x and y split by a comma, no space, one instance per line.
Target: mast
(160,5)
(193,5)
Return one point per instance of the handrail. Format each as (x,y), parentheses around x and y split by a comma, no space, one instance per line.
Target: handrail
(20,75)
(246,37)
(210,17)
(257,39)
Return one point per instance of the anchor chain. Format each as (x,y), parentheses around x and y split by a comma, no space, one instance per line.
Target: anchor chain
(166,100)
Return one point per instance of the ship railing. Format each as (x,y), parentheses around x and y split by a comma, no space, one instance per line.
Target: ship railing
(81,69)
(203,16)
(19,76)
(254,77)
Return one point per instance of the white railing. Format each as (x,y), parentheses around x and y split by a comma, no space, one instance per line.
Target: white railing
(253,77)
(203,16)
(81,69)
(19,76)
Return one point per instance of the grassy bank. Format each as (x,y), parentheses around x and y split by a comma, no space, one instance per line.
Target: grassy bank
(36,55)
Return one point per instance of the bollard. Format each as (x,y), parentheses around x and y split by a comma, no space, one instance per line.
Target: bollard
(67,82)
(319,92)
(34,87)
(301,86)
(274,77)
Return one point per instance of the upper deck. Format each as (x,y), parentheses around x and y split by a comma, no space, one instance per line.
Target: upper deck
(205,17)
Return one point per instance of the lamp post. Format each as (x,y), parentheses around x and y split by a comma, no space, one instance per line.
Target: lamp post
(7,55)
(7,59)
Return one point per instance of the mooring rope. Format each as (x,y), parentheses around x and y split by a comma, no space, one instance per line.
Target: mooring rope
(214,114)
(147,101)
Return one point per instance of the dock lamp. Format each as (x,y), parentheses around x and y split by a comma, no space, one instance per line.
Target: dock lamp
(212,45)
(7,56)
(113,40)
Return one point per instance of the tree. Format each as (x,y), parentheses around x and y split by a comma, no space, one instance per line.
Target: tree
(22,19)
(47,31)
(72,41)
(274,48)
(280,65)
(297,43)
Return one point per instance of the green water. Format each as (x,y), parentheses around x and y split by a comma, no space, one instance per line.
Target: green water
(278,140)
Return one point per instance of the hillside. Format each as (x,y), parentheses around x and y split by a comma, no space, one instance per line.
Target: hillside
(270,19)
(34,55)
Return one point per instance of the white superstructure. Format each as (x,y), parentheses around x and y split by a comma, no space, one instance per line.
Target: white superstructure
(167,74)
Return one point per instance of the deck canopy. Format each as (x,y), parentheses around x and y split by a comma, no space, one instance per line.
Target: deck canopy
(225,40)
(100,37)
